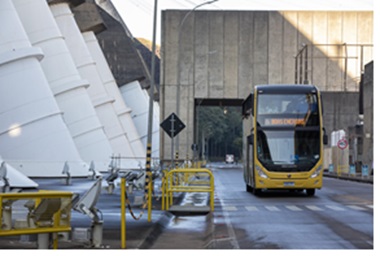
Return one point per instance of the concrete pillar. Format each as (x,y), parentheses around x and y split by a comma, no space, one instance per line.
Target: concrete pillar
(68,87)
(102,101)
(34,138)
(123,112)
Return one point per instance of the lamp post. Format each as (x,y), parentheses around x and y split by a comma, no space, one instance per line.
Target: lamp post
(148,170)
(178,59)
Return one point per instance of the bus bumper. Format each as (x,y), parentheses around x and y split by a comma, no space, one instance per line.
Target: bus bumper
(268,183)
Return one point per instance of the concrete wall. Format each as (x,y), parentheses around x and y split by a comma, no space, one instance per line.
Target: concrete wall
(368,116)
(340,110)
(223,54)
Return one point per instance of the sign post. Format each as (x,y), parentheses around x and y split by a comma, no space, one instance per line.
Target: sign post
(342,144)
(172,125)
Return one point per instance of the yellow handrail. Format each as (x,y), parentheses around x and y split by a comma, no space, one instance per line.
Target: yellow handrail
(61,214)
(186,185)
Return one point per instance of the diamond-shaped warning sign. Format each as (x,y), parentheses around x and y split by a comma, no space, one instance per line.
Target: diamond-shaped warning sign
(172,125)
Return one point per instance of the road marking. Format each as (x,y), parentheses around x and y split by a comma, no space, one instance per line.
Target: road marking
(355,207)
(296,208)
(335,208)
(229,208)
(293,208)
(251,208)
(313,208)
(272,208)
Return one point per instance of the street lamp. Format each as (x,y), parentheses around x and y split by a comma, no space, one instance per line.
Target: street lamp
(178,59)
(148,170)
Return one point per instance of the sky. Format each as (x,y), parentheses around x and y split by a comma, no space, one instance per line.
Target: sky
(138,14)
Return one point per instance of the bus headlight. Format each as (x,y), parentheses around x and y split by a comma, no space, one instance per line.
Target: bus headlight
(316,172)
(260,172)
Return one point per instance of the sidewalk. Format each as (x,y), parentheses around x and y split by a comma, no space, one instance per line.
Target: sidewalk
(140,233)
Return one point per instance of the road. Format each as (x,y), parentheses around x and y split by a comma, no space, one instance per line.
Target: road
(339,216)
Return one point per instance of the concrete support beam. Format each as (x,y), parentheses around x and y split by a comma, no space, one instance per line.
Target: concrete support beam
(34,138)
(69,89)
(123,112)
(101,100)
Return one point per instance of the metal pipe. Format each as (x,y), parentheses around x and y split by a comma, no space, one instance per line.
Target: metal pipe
(345,68)
(306,81)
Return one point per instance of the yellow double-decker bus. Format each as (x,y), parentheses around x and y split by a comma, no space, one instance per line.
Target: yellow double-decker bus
(283,138)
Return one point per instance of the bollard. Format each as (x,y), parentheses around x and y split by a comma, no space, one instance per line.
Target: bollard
(97,234)
(7,216)
(352,170)
(123,222)
(365,171)
(43,241)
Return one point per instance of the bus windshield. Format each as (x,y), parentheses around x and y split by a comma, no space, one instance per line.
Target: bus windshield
(287,110)
(288,132)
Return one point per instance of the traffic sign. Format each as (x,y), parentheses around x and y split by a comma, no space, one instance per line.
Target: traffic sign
(342,143)
(172,125)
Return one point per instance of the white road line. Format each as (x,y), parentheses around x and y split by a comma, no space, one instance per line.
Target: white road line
(355,207)
(252,208)
(370,206)
(229,208)
(293,208)
(313,208)
(335,208)
(272,208)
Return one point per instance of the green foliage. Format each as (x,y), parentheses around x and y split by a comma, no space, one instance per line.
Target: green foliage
(222,129)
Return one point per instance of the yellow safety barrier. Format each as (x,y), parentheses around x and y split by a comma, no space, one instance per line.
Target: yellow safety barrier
(44,212)
(187,184)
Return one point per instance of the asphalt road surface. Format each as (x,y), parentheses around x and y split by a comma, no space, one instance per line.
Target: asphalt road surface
(339,216)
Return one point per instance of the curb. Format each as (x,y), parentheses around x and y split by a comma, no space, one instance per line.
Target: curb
(343,177)
(154,232)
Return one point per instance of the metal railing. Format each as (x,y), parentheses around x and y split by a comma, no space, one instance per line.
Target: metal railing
(187,180)
(43,212)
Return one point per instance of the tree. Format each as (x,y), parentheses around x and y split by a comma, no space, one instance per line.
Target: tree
(220,131)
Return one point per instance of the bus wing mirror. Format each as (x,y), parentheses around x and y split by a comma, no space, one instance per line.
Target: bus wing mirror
(325,137)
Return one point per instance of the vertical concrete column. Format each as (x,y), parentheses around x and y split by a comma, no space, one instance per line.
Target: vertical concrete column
(123,112)
(101,100)
(34,138)
(68,87)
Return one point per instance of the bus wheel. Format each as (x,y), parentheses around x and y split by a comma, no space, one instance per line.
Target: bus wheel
(310,192)
(248,188)
(256,191)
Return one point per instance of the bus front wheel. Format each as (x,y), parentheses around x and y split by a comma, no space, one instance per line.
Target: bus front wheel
(257,191)
(310,192)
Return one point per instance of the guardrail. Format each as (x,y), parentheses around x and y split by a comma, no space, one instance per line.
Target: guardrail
(42,212)
(187,180)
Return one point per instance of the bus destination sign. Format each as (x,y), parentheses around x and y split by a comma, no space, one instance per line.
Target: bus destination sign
(284,121)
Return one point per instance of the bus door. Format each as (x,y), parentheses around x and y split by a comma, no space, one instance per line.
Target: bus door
(250,160)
